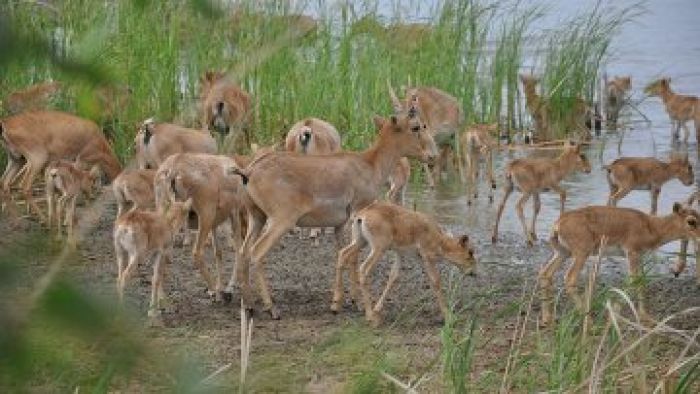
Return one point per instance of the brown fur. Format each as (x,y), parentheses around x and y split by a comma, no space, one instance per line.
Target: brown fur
(578,233)
(226,108)
(540,112)
(313,136)
(216,198)
(398,181)
(386,226)
(533,176)
(616,97)
(138,234)
(286,193)
(39,137)
(476,141)
(34,97)
(69,181)
(680,108)
(135,187)
(441,114)
(166,139)
(645,173)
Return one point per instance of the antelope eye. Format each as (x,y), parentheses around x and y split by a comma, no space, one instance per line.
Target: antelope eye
(415,128)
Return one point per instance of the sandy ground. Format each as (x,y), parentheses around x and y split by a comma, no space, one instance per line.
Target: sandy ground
(301,274)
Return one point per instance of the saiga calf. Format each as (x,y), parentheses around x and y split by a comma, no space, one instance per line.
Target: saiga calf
(476,142)
(69,181)
(386,226)
(138,234)
(680,108)
(534,175)
(578,233)
(645,173)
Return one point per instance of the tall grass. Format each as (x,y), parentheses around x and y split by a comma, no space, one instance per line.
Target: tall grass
(336,69)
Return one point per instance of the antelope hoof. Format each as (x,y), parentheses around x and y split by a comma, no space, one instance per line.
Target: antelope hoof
(335,307)
(274,313)
(227,296)
(494,239)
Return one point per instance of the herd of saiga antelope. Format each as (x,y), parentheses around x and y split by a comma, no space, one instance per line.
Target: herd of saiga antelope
(313,184)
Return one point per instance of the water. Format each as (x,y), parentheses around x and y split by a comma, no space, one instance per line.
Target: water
(664,41)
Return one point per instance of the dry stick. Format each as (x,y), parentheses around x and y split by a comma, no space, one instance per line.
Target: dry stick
(406,387)
(591,284)
(246,333)
(517,339)
(636,343)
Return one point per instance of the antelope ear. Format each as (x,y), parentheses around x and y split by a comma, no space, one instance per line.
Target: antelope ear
(677,207)
(464,240)
(692,221)
(378,122)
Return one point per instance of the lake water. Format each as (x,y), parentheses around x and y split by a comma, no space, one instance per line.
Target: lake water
(664,41)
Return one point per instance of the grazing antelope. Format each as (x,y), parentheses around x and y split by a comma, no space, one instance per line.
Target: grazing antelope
(616,97)
(313,136)
(476,142)
(155,142)
(398,181)
(216,199)
(680,108)
(32,139)
(645,173)
(69,181)
(285,193)
(540,111)
(442,115)
(387,226)
(139,234)
(34,97)
(135,187)
(578,234)
(534,175)
(226,108)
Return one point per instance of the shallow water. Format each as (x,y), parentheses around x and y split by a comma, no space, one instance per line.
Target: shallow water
(661,42)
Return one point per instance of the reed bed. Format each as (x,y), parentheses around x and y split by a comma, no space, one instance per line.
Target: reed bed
(333,65)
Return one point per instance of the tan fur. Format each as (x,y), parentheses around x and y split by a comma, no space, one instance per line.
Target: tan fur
(616,97)
(167,139)
(534,175)
(680,264)
(139,234)
(69,181)
(323,138)
(216,198)
(539,110)
(680,108)
(286,192)
(34,97)
(39,137)
(226,108)
(135,187)
(442,115)
(385,226)
(578,233)
(313,136)
(398,181)
(477,142)
(404,36)
(645,173)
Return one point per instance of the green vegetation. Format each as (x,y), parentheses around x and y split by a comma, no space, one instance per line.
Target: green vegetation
(335,67)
